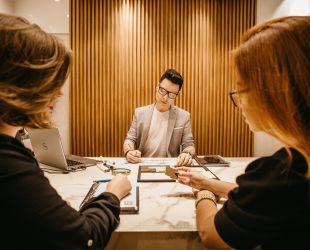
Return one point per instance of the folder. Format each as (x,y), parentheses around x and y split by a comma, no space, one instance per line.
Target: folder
(129,204)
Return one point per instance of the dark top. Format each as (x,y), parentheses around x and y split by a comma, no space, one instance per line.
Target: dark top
(34,216)
(270,207)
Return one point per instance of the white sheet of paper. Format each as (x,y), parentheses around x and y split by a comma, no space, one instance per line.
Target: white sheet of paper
(158,161)
(152,176)
(204,172)
(199,169)
(208,174)
(128,201)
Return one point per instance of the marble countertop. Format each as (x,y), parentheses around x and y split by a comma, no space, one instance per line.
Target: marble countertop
(164,206)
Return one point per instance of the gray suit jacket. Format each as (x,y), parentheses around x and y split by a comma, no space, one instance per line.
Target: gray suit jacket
(179,131)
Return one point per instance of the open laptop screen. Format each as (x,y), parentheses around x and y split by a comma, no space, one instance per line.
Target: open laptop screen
(48,149)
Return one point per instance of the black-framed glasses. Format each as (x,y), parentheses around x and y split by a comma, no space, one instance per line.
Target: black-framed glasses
(164,92)
(235,97)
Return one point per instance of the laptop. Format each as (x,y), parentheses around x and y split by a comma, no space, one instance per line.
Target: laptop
(47,147)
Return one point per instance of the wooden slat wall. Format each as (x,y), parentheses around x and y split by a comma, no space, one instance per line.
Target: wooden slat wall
(121,48)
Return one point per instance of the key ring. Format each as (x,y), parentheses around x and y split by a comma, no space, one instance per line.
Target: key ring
(114,170)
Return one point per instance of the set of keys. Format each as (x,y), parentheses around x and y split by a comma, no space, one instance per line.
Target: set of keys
(110,166)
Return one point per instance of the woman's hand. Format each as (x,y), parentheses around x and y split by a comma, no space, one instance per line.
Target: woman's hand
(119,185)
(190,177)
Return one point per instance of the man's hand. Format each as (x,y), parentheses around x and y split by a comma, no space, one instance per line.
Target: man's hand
(184,159)
(133,156)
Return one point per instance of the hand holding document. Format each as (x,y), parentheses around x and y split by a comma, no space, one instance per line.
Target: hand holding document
(195,176)
(171,172)
(177,172)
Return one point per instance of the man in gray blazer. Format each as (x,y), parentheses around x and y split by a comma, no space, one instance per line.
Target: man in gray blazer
(161,129)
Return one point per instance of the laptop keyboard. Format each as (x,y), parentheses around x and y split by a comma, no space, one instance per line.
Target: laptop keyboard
(73,163)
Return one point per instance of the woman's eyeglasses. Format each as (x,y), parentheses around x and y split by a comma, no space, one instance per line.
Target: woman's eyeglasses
(235,98)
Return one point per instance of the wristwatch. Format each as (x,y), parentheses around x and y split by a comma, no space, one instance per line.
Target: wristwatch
(205,196)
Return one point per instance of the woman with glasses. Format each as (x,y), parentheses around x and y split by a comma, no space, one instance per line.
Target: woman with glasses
(269,206)
(34,66)
(161,129)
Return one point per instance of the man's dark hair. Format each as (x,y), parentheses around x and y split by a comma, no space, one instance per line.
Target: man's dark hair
(173,76)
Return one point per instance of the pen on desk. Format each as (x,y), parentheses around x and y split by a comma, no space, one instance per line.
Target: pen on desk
(103,180)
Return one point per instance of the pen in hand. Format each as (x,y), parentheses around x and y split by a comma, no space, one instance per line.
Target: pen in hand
(103,180)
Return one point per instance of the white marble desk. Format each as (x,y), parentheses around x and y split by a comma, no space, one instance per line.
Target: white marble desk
(166,218)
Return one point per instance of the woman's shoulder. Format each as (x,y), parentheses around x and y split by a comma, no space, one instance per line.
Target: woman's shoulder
(14,155)
(284,162)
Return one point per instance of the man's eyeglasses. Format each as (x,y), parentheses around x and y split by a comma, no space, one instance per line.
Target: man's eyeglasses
(164,92)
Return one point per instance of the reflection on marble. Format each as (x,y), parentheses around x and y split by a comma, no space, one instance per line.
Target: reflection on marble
(166,217)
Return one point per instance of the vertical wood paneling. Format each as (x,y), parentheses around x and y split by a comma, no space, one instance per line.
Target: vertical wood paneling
(121,48)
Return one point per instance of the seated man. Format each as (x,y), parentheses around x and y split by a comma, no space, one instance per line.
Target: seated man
(161,129)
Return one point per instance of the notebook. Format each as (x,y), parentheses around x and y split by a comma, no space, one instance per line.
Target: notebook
(129,204)
(47,147)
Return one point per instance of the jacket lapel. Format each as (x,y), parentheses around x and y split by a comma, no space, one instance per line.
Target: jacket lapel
(171,123)
(146,125)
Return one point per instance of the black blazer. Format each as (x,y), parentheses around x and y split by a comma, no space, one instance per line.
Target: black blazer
(34,216)
(270,207)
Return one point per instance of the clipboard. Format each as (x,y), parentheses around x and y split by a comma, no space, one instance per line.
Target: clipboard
(129,204)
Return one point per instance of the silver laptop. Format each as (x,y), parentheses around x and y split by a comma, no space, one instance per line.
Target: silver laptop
(47,147)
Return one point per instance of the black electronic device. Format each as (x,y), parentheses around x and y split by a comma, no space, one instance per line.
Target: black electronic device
(211,161)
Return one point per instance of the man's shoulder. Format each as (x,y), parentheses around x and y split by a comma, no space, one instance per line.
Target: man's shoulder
(144,108)
(181,111)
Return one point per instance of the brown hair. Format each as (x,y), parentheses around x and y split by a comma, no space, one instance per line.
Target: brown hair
(34,66)
(273,62)
(173,76)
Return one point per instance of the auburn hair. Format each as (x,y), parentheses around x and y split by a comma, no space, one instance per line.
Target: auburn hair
(273,63)
(34,66)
